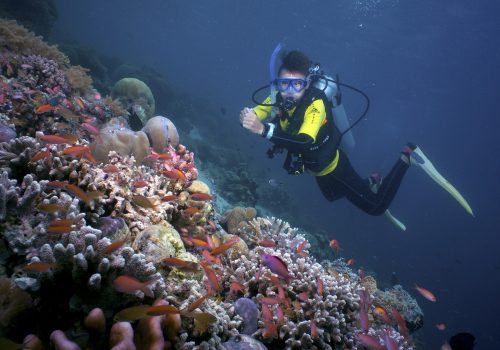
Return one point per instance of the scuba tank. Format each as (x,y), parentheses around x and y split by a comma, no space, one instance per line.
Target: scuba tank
(332,91)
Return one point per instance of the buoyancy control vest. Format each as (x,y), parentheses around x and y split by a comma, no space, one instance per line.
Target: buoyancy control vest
(324,149)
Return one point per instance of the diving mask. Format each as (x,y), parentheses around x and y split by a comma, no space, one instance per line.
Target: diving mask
(291,84)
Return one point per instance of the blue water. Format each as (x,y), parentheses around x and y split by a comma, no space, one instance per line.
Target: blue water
(431,69)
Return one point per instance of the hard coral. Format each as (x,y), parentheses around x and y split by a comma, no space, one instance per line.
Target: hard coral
(17,39)
(233,217)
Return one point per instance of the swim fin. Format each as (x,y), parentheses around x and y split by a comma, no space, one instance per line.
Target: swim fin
(418,157)
(394,220)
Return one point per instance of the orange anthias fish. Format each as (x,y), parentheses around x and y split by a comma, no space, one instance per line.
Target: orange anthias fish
(314,329)
(130,285)
(78,192)
(268,243)
(115,246)
(175,174)
(335,245)
(139,184)
(180,264)
(39,267)
(143,201)
(301,246)
(169,198)
(110,168)
(235,288)
(201,197)
(44,108)
(425,293)
(320,286)
(225,246)
(303,296)
(76,150)
(350,262)
(213,281)
(41,155)
(380,311)
(65,222)
(191,210)
(196,304)
(57,184)
(51,207)
(54,139)
(210,258)
(132,313)
(160,310)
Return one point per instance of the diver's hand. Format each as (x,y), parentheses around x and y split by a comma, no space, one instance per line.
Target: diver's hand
(250,121)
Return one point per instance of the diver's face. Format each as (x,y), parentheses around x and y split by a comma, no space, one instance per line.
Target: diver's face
(291,89)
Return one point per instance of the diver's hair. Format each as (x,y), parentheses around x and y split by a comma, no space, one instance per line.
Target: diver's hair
(295,61)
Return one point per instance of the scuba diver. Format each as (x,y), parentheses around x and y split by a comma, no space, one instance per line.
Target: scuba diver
(299,117)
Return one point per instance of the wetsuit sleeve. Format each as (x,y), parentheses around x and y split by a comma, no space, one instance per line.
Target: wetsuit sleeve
(263,111)
(314,118)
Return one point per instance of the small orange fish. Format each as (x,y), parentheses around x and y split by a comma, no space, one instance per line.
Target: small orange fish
(93,195)
(180,264)
(350,262)
(71,138)
(51,207)
(225,246)
(76,150)
(198,242)
(60,229)
(57,184)
(78,192)
(115,246)
(175,174)
(164,156)
(269,300)
(39,267)
(425,293)
(301,246)
(110,168)
(268,243)
(130,285)
(90,158)
(197,303)
(54,139)
(201,197)
(160,310)
(267,314)
(65,222)
(44,108)
(270,330)
(210,258)
(335,245)
(139,184)
(303,296)
(380,311)
(169,198)
(320,286)
(41,155)
(191,210)
(143,201)
(91,129)
(235,287)
(314,329)
(213,281)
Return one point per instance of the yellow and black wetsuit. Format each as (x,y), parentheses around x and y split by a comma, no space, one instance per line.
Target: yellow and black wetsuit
(308,130)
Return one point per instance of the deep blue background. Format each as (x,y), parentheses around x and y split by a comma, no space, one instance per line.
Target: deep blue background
(431,69)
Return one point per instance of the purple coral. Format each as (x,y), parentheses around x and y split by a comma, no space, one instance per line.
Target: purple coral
(47,73)
(247,309)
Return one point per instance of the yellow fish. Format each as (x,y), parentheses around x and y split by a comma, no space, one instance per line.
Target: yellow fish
(132,313)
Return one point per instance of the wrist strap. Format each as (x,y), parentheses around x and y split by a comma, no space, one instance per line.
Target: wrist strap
(270,132)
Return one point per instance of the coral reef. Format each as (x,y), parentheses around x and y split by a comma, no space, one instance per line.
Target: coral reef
(137,98)
(37,16)
(133,236)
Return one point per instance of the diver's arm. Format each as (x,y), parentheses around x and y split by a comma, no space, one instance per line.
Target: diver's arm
(293,143)
(314,119)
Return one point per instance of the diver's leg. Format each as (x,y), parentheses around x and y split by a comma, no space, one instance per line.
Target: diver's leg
(345,180)
(391,183)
